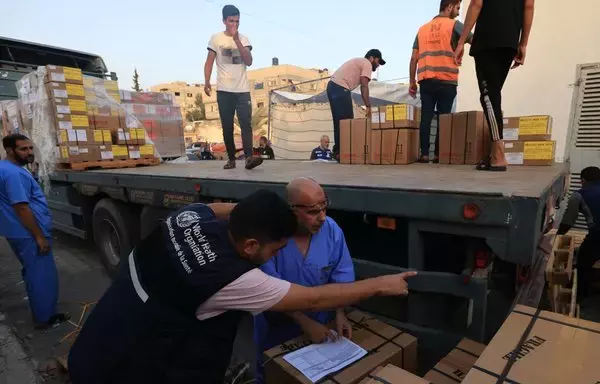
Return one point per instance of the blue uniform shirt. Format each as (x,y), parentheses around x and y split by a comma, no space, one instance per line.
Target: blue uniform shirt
(327,261)
(17,185)
(321,154)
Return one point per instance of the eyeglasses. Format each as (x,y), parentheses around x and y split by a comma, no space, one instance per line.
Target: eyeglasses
(313,210)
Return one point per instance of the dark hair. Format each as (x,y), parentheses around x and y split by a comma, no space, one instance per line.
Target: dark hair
(10,141)
(230,10)
(446,3)
(590,174)
(263,216)
(264,138)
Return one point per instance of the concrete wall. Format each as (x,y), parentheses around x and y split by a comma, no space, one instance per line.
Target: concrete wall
(564,34)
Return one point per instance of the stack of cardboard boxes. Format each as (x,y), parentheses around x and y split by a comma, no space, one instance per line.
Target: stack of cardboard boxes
(389,136)
(159,117)
(528,140)
(456,365)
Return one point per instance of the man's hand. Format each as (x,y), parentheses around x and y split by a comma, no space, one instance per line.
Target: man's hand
(236,35)
(342,325)
(520,57)
(43,245)
(317,332)
(395,285)
(459,52)
(368,111)
(207,89)
(412,90)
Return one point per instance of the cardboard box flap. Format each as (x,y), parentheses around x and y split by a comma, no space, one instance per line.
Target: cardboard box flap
(541,347)
(392,375)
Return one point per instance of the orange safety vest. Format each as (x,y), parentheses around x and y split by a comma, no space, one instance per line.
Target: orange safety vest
(435,51)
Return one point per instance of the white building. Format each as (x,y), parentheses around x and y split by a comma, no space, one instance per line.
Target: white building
(564,35)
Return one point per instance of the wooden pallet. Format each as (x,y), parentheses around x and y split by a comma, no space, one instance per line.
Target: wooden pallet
(563,299)
(559,269)
(107,164)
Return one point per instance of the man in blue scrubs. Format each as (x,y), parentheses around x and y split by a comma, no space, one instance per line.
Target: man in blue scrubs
(315,256)
(27,225)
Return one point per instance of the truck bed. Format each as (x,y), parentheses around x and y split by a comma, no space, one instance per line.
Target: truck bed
(518,181)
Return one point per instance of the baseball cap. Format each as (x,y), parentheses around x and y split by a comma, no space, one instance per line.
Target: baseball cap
(376,53)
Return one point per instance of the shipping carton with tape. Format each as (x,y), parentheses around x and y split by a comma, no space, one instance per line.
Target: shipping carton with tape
(57,90)
(355,141)
(77,153)
(456,365)
(394,146)
(390,374)
(384,345)
(530,152)
(69,106)
(527,128)
(56,73)
(396,116)
(534,347)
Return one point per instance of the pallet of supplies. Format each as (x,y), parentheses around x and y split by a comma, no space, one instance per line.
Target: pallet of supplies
(383,344)
(456,365)
(534,347)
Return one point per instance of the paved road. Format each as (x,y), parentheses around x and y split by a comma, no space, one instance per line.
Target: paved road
(82,280)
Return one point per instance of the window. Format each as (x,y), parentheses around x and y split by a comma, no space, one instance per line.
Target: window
(164,89)
(260,105)
(190,95)
(272,83)
(259,86)
(177,94)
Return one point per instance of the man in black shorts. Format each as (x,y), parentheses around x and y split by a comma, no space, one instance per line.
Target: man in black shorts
(171,316)
(500,38)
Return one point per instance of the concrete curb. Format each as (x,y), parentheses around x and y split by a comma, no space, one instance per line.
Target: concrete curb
(15,365)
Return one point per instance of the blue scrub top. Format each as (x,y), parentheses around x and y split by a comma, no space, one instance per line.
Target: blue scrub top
(17,185)
(327,261)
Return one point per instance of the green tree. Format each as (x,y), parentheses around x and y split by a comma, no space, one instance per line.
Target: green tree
(136,81)
(260,118)
(200,105)
(194,115)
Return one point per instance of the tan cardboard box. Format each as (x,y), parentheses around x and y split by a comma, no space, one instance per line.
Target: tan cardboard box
(134,152)
(390,374)
(385,344)
(55,73)
(77,153)
(106,152)
(478,139)
(69,107)
(120,152)
(67,136)
(121,136)
(65,91)
(530,152)
(395,116)
(445,137)
(394,146)
(458,141)
(556,349)
(67,121)
(138,136)
(90,137)
(456,365)
(355,140)
(112,123)
(527,128)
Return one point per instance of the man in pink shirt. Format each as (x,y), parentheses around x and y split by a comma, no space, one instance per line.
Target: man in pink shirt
(350,75)
(172,314)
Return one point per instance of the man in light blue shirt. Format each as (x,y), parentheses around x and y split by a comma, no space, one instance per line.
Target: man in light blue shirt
(27,225)
(315,256)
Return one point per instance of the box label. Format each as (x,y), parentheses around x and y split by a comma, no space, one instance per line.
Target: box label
(82,135)
(72,73)
(378,117)
(399,112)
(78,105)
(73,151)
(60,77)
(98,137)
(75,90)
(147,149)
(64,152)
(533,125)
(65,125)
(106,135)
(106,155)
(80,121)
(119,150)
(134,154)
(539,150)
(60,94)
(510,134)
(64,109)
(514,158)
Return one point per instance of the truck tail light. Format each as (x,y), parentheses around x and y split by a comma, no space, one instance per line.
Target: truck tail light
(471,211)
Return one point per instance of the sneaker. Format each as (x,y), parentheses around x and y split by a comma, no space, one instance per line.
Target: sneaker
(253,162)
(229,165)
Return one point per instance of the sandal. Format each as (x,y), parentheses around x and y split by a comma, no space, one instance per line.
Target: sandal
(423,160)
(486,166)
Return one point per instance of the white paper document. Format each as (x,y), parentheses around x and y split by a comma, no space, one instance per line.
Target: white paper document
(318,360)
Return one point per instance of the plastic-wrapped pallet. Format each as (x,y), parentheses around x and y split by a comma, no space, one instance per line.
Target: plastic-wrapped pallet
(160,117)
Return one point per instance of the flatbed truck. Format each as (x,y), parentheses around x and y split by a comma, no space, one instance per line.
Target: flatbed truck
(468,233)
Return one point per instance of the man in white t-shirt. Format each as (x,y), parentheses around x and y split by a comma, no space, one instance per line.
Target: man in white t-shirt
(232,52)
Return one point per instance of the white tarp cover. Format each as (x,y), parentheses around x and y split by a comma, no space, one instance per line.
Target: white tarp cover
(298,120)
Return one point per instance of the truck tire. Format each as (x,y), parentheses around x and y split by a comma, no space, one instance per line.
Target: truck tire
(115,233)
(150,218)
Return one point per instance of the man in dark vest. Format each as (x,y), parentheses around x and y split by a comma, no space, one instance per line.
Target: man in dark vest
(172,314)
(586,201)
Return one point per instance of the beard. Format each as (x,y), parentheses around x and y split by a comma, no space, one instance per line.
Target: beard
(26,160)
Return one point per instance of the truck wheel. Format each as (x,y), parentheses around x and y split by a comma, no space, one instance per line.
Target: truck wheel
(114,233)
(150,218)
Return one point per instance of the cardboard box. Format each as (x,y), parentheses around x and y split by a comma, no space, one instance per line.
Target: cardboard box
(458,141)
(57,90)
(456,365)
(355,140)
(394,146)
(556,349)
(90,137)
(55,73)
(530,152)
(111,123)
(133,152)
(67,137)
(10,112)
(106,152)
(64,121)
(69,107)
(393,375)
(384,343)
(120,152)
(445,137)
(77,153)
(478,140)
(135,136)
(147,151)
(527,128)
(395,116)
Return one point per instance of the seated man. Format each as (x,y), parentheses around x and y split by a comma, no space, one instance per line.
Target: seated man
(322,152)
(315,256)
(586,201)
